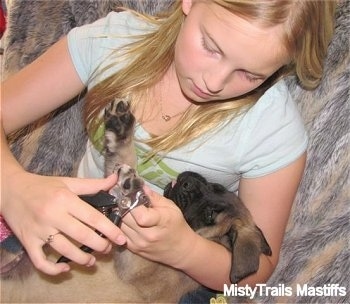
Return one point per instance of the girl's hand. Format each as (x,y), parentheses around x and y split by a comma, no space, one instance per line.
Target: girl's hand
(36,207)
(159,233)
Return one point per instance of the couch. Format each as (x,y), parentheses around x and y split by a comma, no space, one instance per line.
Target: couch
(315,256)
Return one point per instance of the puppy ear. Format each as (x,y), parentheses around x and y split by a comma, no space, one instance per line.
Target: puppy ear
(217,188)
(248,243)
(264,246)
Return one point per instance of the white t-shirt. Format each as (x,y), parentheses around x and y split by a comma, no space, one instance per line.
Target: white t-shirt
(266,138)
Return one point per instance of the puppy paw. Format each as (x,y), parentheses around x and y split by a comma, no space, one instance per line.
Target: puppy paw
(119,122)
(128,180)
(119,134)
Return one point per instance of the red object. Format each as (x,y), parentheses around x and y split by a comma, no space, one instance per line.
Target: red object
(5,230)
(2,21)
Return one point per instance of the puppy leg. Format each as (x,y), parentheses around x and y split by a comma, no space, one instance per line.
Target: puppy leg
(119,145)
(128,180)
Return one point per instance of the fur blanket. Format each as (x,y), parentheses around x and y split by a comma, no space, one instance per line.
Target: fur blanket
(316,248)
(54,146)
(315,251)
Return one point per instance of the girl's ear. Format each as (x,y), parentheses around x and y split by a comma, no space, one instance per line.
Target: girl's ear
(186,6)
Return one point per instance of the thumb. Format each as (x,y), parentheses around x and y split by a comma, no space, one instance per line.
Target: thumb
(90,185)
(157,200)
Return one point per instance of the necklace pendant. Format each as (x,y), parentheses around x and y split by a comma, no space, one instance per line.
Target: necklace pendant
(166,117)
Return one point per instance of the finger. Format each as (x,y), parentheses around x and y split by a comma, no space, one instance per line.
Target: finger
(66,248)
(90,185)
(95,219)
(84,235)
(152,216)
(132,236)
(156,198)
(143,217)
(41,262)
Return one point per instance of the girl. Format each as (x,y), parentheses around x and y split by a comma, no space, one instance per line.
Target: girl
(205,85)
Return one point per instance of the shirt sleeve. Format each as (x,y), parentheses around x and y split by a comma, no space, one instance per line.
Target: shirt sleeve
(85,47)
(92,45)
(275,134)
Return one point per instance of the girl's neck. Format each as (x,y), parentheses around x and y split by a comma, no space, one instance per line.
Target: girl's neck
(163,106)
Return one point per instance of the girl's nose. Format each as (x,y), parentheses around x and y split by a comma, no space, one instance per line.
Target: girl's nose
(216,79)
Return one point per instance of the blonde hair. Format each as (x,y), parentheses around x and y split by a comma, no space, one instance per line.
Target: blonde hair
(308,28)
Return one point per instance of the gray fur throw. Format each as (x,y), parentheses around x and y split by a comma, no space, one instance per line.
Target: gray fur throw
(316,248)
(315,256)
(54,146)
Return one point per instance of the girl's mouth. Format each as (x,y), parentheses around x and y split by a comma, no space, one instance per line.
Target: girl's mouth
(202,94)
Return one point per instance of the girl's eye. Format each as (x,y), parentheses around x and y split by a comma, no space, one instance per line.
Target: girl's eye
(207,47)
(250,77)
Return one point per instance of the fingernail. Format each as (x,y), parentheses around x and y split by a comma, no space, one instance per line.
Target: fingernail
(121,240)
(108,249)
(66,268)
(91,262)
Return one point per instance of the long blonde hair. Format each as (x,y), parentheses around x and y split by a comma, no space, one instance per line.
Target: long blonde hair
(308,28)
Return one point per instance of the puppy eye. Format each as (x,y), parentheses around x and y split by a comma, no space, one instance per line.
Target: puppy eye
(186,185)
(209,216)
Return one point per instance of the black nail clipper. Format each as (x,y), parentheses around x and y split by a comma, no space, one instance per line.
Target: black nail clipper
(114,207)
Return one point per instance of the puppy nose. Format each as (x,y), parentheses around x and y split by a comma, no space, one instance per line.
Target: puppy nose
(187,186)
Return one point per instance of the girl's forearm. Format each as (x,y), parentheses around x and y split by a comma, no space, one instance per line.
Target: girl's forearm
(9,166)
(209,263)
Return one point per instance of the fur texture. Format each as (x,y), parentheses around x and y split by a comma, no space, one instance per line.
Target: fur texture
(54,145)
(219,215)
(316,246)
(119,137)
(209,209)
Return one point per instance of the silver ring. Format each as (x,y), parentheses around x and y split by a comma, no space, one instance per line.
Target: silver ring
(50,238)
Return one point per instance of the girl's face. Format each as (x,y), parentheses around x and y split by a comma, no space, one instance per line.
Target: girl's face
(219,55)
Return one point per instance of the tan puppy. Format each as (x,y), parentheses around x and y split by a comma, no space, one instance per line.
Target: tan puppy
(123,277)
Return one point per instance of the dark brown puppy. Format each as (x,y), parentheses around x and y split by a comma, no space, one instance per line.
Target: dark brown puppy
(220,215)
(209,208)
(123,276)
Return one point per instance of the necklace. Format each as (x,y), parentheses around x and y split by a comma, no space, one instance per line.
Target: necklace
(166,117)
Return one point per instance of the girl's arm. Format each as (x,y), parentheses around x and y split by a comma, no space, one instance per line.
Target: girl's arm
(270,199)
(168,239)
(38,206)
(39,88)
